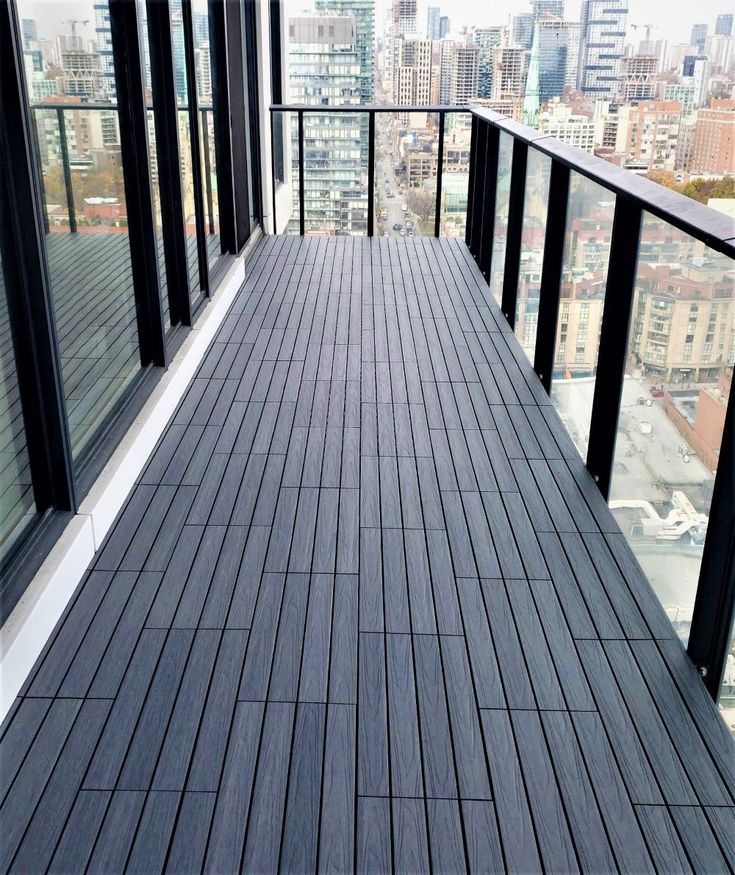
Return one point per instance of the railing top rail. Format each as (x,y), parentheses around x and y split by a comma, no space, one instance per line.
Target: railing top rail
(57,104)
(713,228)
(364,107)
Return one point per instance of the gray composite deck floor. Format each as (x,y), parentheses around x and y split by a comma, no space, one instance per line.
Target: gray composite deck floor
(365,610)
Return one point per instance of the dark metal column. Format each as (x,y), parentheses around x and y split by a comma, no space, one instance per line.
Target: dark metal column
(620,288)
(165,115)
(471,183)
(68,186)
(487,229)
(132,115)
(478,188)
(302,218)
(548,311)
(371,175)
(439,174)
(30,306)
(709,636)
(514,234)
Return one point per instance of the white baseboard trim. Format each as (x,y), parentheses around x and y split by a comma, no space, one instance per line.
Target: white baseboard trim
(25,632)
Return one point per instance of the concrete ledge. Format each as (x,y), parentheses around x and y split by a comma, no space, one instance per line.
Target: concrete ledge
(25,632)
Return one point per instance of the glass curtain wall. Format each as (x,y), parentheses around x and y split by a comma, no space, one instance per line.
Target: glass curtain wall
(70,80)
(17,508)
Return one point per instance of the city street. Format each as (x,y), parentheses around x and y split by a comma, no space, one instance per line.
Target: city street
(385,170)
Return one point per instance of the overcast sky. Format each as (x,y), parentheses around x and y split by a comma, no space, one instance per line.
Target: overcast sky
(673,17)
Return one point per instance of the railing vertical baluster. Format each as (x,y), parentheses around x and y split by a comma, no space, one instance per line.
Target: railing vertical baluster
(371,175)
(551,273)
(514,233)
(207,169)
(273,169)
(709,635)
(64,146)
(487,228)
(479,188)
(620,288)
(471,183)
(302,222)
(439,174)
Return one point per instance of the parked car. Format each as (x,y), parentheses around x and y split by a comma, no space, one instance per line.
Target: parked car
(403,232)
(404,207)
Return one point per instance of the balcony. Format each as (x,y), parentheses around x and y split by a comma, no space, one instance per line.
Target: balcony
(365,607)
(373,602)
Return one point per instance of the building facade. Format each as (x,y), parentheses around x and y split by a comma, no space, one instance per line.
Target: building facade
(602,43)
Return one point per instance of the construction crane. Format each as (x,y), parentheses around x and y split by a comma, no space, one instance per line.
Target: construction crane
(647,27)
(73,22)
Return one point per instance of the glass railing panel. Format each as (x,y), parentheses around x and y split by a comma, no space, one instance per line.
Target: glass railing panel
(502,209)
(335,172)
(455,174)
(677,383)
(726,697)
(538,175)
(587,237)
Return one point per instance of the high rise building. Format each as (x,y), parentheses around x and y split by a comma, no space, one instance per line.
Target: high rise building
(638,78)
(445,25)
(415,76)
(324,70)
(521,29)
(546,8)
(404,17)
(433,22)
(699,35)
(80,73)
(464,74)
(364,15)
(29,30)
(509,73)
(723,24)
(602,43)
(103,35)
(695,68)
(558,56)
(486,39)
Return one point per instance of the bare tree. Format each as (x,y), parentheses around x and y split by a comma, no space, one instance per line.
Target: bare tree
(422,203)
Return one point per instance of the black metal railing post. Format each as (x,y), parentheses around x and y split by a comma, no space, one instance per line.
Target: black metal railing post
(273,169)
(302,218)
(479,188)
(371,175)
(514,233)
(616,316)
(439,175)
(551,273)
(714,604)
(471,182)
(207,169)
(487,227)
(66,167)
